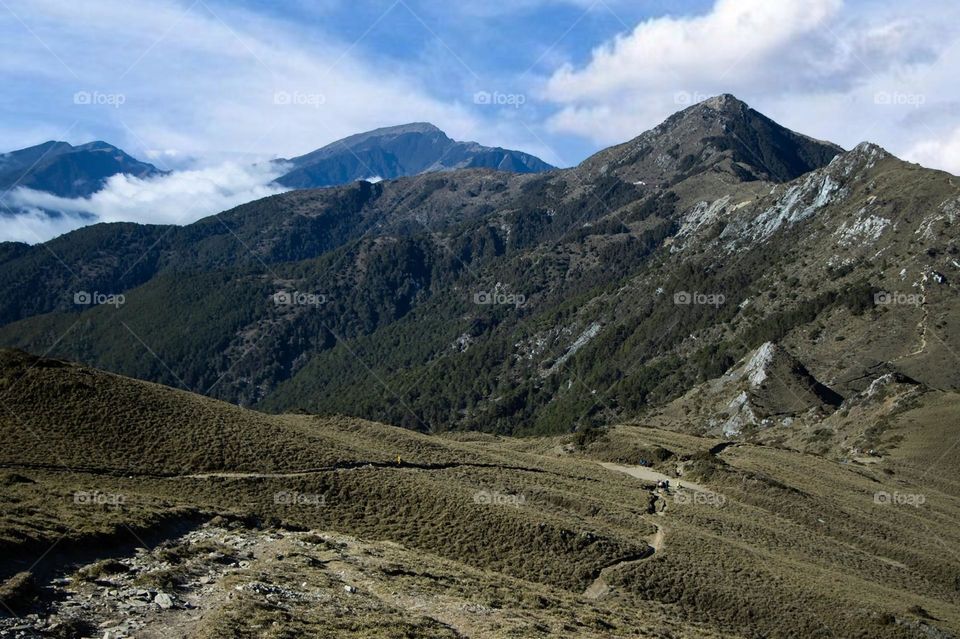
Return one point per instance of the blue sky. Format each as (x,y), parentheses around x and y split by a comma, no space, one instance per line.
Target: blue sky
(446,51)
(194,84)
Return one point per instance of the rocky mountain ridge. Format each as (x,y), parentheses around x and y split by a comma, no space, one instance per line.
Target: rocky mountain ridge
(397,151)
(65,170)
(526,303)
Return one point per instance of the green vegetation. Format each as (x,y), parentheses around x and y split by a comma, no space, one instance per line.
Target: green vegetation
(403,332)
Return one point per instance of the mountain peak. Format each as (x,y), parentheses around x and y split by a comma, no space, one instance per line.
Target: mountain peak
(385,132)
(864,156)
(68,171)
(720,135)
(723,102)
(870,149)
(96,145)
(397,151)
(768,386)
(411,127)
(421,128)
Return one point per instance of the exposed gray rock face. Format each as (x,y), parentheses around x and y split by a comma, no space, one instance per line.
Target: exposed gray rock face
(163,600)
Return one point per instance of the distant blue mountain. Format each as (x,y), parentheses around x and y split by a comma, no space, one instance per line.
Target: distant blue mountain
(397,151)
(66,170)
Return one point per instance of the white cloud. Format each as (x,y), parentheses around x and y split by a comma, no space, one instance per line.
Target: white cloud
(203,77)
(31,225)
(212,80)
(735,40)
(813,65)
(201,80)
(180,197)
(943,152)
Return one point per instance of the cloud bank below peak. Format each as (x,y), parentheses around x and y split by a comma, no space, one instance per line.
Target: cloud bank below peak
(255,83)
(179,198)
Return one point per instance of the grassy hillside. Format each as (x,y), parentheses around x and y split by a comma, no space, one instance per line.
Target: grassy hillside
(751,540)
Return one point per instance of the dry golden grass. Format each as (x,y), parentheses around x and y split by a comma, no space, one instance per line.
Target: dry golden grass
(797,547)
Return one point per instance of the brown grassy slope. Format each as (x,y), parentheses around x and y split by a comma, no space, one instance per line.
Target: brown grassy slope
(66,415)
(798,547)
(100,433)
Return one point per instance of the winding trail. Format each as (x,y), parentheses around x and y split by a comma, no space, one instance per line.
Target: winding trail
(648,474)
(656,542)
(921,325)
(600,587)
